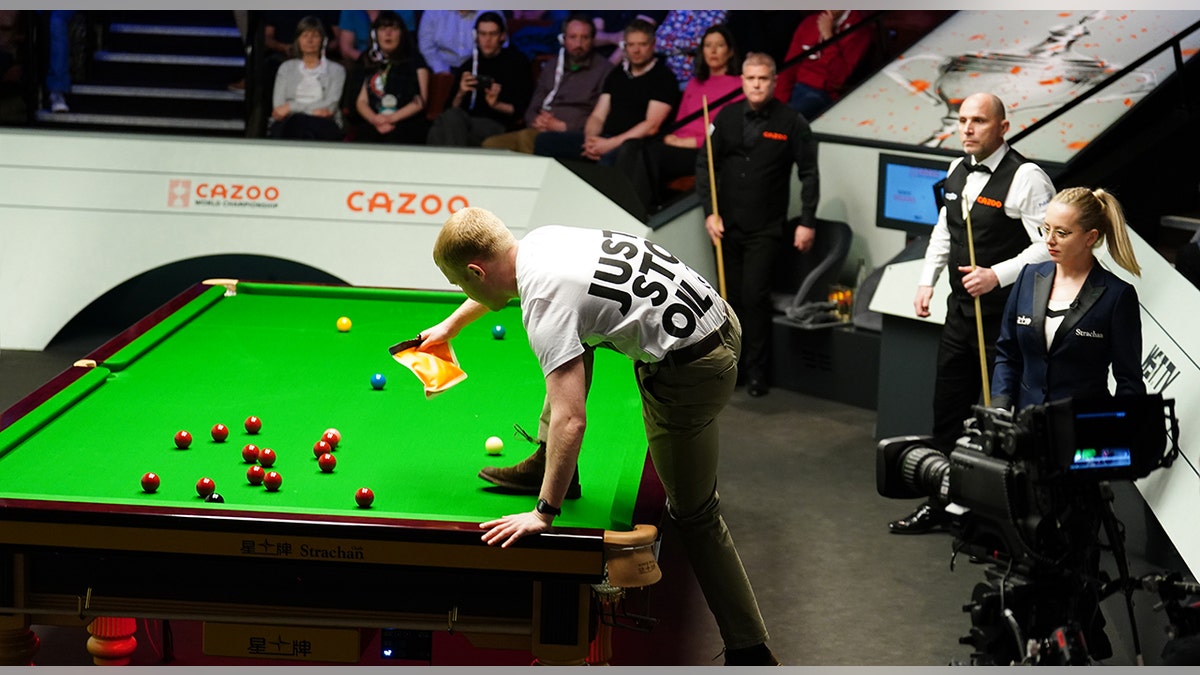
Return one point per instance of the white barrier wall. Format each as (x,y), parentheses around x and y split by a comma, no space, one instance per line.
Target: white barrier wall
(82,213)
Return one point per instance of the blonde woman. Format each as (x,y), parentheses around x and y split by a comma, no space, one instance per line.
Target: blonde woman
(1069,320)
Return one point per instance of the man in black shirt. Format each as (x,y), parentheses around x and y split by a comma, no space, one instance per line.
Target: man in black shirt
(491,89)
(755,142)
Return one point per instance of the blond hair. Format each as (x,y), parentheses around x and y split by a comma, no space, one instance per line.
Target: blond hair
(1098,210)
(469,235)
(759,59)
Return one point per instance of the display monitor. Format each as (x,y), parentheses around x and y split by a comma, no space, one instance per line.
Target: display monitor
(909,192)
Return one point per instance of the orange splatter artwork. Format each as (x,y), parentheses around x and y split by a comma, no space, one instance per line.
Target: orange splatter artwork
(1077,145)
(920,85)
(1053,80)
(866,123)
(1015,70)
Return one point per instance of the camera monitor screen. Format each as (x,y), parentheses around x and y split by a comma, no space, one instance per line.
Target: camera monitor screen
(1103,444)
(909,195)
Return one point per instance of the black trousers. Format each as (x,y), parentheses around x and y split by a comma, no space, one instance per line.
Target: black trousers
(749,259)
(959,381)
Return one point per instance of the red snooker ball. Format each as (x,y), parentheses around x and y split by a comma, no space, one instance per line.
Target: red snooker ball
(250,453)
(220,432)
(150,482)
(327,461)
(266,457)
(272,481)
(321,448)
(253,425)
(255,474)
(364,497)
(332,437)
(205,487)
(183,439)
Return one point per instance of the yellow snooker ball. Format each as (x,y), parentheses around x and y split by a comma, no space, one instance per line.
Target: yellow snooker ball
(343,324)
(494,445)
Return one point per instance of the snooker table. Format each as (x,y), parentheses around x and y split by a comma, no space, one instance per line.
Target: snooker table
(82,542)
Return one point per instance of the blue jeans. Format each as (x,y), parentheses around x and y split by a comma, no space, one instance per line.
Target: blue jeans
(58,70)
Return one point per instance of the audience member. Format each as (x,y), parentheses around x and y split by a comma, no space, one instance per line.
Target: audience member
(354,42)
(610,29)
(393,96)
(446,37)
(678,37)
(538,32)
(566,90)
(308,89)
(636,101)
(813,84)
(278,36)
(491,91)
(755,143)
(717,74)
(58,68)
(1006,197)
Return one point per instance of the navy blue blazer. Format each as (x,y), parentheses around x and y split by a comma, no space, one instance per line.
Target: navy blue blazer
(1103,327)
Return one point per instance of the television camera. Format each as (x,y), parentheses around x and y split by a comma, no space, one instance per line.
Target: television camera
(1029,493)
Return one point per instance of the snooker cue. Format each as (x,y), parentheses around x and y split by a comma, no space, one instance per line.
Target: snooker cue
(987,389)
(712,185)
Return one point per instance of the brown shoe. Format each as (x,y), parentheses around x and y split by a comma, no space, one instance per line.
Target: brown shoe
(526,477)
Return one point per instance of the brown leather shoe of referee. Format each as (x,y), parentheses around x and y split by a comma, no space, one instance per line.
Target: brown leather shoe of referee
(526,477)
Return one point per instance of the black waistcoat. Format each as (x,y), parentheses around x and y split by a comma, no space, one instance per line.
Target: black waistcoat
(997,237)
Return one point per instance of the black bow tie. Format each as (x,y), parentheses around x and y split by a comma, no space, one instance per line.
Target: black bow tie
(752,114)
(979,167)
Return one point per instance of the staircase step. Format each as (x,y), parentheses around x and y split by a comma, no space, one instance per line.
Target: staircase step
(173,30)
(161,74)
(158,92)
(171,59)
(144,121)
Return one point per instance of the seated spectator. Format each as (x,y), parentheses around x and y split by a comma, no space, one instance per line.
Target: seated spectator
(537,32)
(610,29)
(392,99)
(446,37)
(491,89)
(566,91)
(678,38)
(717,75)
(354,31)
(308,89)
(278,36)
(815,83)
(636,101)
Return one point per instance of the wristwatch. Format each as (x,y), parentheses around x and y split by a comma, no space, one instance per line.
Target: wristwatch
(544,508)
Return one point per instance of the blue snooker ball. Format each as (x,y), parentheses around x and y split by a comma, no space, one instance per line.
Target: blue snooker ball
(498,332)
(378,380)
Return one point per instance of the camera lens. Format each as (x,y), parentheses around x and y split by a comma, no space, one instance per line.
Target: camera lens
(924,469)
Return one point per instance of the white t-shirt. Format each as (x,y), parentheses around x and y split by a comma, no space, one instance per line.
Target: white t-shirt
(598,287)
